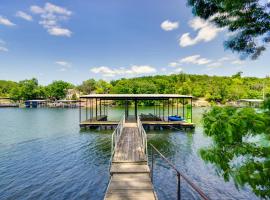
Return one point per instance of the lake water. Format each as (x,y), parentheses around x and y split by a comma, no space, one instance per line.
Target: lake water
(45,155)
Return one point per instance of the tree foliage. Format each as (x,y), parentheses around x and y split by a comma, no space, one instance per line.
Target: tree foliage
(58,89)
(236,151)
(248,20)
(219,89)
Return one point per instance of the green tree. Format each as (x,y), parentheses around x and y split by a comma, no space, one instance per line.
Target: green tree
(88,86)
(103,87)
(249,21)
(58,89)
(235,151)
(28,89)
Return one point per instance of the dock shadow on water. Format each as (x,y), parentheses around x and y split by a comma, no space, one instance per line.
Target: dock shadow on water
(45,155)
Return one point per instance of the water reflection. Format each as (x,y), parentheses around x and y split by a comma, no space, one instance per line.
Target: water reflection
(51,158)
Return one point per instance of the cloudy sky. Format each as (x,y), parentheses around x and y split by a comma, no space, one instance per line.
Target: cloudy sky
(77,40)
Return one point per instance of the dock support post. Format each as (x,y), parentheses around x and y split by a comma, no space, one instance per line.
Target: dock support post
(191,109)
(177,101)
(86,109)
(80,105)
(168,109)
(100,101)
(96,108)
(183,104)
(163,110)
(136,109)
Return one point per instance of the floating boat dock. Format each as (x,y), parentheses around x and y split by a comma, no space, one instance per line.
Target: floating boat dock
(95,113)
(130,173)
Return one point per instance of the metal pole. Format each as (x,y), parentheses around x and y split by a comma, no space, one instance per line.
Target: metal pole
(177,101)
(136,109)
(172,105)
(80,118)
(183,109)
(100,107)
(86,111)
(178,186)
(152,165)
(163,109)
(96,108)
(168,109)
(191,109)
(159,108)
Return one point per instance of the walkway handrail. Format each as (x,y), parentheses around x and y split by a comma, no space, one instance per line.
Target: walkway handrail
(143,136)
(117,134)
(179,175)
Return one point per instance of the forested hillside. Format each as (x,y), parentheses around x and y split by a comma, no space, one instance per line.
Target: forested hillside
(213,88)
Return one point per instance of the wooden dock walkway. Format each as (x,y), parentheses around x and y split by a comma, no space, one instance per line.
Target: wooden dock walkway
(130,174)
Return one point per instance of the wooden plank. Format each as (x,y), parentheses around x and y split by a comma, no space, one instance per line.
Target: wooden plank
(130,173)
(134,195)
(129,168)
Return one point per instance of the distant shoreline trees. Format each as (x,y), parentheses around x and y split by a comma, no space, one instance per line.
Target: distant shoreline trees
(215,89)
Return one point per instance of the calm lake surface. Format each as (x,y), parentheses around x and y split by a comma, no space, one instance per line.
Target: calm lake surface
(45,155)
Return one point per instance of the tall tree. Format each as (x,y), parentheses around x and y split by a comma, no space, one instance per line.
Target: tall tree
(58,89)
(249,20)
(88,86)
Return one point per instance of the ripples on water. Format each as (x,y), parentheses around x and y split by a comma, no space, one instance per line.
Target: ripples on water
(44,155)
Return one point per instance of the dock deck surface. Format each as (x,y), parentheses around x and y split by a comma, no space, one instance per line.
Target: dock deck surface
(130,174)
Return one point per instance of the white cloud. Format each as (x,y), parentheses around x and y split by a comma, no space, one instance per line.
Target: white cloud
(5,21)
(57,31)
(169,26)
(163,69)
(63,63)
(4,49)
(24,16)
(2,42)
(174,64)
(178,70)
(51,8)
(237,62)
(36,9)
(133,70)
(51,15)
(195,59)
(206,32)
(215,64)
(143,69)
(224,59)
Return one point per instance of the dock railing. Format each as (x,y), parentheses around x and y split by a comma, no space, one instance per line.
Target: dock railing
(117,134)
(143,136)
(178,173)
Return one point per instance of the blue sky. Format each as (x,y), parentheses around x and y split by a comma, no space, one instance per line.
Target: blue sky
(77,40)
